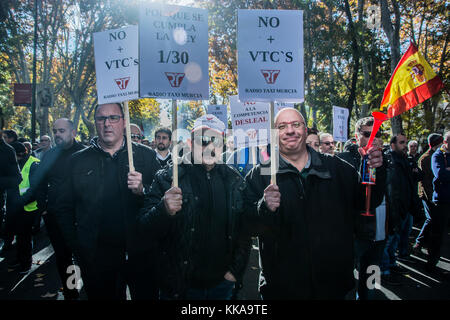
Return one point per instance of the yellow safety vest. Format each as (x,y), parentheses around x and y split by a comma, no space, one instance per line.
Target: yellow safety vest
(25,184)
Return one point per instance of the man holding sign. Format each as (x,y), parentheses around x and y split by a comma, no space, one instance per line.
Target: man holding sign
(306,239)
(198,224)
(98,207)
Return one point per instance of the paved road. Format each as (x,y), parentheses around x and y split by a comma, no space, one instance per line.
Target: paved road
(42,282)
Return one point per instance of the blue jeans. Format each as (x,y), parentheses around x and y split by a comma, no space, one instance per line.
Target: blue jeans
(223,291)
(405,231)
(424,236)
(389,259)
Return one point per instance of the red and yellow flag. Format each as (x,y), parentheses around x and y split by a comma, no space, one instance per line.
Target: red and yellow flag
(412,82)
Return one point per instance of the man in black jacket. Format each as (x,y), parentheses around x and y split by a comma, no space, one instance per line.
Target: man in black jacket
(403,202)
(98,207)
(53,170)
(305,222)
(198,224)
(10,178)
(370,230)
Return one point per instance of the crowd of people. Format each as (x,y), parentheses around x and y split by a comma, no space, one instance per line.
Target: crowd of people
(187,233)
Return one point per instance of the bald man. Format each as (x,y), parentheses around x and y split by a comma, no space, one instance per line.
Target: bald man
(305,222)
(53,171)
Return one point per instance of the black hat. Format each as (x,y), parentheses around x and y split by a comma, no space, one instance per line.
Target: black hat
(435,139)
(19,147)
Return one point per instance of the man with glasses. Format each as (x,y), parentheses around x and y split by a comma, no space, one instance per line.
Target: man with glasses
(370,230)
(198,224)
(163,140)
(45,144)
(305,223)
(326,143)
(98,206)
(136,133)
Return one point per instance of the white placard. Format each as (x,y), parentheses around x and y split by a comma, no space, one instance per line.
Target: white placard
(220,111)
(173,51)
(281,105)
(340,128)
(117,64)
(250,122)
(270,55)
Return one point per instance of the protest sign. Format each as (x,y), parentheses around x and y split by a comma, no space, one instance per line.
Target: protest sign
(270,55)
(250,122)
(117,65)
(220,111)
(173,52)
(340,128)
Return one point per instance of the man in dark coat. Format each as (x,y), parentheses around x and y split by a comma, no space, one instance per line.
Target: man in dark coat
(98,207)
(53,171)
(10,178)
(305,222)
(198,224)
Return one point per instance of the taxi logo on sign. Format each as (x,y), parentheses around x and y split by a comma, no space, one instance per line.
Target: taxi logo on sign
(270,75)
(122,83)
(175,78)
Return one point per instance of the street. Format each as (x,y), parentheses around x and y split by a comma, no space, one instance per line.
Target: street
(42,281)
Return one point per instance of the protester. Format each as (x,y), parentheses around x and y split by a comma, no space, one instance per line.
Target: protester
(98,207)
(312,139)
(53,170)
(45,144)
(403,202)
(198,224)
(326,143)
(305,222)
(370,230)
(163,138)
(22,220)
(426,190)
(413,151)
(10,177)
(136,133)
(440,164)
(9,136)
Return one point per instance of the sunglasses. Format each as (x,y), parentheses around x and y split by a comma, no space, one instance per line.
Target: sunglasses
(367,134)
(327,143)
(136,136)
(205,140)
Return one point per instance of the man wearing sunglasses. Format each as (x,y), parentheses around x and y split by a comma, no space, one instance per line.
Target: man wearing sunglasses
(198,224)
(370,230)
(98,208)
(326,143)
(305,223)
(136,133)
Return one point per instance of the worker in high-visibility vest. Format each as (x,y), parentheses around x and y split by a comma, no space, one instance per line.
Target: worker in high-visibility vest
(23,220)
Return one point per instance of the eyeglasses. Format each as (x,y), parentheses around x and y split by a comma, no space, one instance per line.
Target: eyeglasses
(327,143)
(137,136)
(295,124)
(367,134)
(205,140)
(112,119)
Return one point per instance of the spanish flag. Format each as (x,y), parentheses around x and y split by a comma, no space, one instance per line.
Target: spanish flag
(412,82)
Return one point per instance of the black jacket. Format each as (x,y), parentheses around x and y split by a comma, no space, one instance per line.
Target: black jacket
(10,176)
(79,208)
(366,225)
(401,186)
(306,246)
(175,234)
(53,171)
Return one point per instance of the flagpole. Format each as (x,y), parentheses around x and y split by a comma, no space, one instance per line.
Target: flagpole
(175,146)
(273,137)
(128,136)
